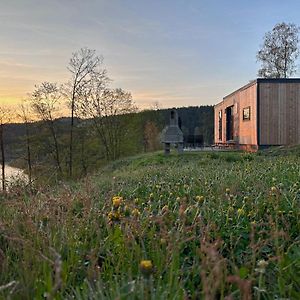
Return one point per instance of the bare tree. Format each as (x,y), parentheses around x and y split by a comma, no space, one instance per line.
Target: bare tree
(105,107)
(155,105)
(45,102)
(116,103)
(151,136)
(83,66)
(279,51)
(5,118)
(24,115)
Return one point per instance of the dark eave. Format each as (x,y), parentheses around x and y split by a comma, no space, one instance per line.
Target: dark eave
(262,80)
(278,80)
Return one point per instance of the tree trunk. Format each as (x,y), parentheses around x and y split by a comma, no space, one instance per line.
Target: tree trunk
(56,147)
(100,128)
(28,155)
(71,134)
(83,162)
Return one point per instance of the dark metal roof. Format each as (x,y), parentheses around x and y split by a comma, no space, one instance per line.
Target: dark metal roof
(278,80)
(263,80)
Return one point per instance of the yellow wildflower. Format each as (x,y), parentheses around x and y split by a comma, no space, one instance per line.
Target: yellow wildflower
(273,189)
(227,191)
(240,212)
(114,216)
(200,199)
(135,212)
(117,201)
(146,267)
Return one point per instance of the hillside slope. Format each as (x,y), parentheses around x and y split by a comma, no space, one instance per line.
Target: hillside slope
(138,132)
(154,227)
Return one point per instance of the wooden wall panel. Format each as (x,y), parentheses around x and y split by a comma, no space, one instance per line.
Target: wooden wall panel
(248,129)
(293,129)
(298,113)
(216,127)
(279,104)
(245,132)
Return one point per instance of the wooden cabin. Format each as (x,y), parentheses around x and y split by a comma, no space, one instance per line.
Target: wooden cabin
(265,112)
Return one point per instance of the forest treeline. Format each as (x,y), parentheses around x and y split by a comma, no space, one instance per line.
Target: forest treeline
(137,132)
(104,124)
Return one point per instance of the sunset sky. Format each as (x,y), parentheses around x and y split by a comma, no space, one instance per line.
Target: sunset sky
(176,52)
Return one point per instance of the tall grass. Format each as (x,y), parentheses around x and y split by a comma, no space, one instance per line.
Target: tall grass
(213,226)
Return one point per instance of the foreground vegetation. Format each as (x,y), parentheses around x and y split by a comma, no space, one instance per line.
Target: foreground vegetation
(201,225)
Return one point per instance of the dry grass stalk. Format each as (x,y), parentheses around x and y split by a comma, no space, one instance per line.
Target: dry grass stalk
(243,285)
(57,277)
(8,285)
(213,266)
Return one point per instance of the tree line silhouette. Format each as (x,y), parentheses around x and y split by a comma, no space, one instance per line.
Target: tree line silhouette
(104,124)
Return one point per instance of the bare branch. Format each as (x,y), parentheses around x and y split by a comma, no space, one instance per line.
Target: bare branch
(279,51)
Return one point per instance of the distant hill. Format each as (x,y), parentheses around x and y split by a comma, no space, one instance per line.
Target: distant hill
(141,134)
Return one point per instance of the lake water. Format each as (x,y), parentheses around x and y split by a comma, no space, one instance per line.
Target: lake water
(12,173)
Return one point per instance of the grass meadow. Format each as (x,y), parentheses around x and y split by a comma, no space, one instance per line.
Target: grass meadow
(207,225)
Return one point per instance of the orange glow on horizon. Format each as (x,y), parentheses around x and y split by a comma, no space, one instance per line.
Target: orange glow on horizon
(143,100)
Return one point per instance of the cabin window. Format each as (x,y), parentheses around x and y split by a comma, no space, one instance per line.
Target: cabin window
(220,125)
(246,113)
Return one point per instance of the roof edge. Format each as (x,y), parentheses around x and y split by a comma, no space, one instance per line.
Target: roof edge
(278,80)
(252,82)
(262,80)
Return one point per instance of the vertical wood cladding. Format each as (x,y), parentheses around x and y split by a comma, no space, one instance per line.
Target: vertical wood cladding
(276,104)
(279,105)
(245,131)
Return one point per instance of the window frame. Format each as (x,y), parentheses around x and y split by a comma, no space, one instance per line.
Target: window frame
(247,116)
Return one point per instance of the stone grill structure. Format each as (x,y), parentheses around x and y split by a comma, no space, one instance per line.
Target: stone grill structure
(172,134)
